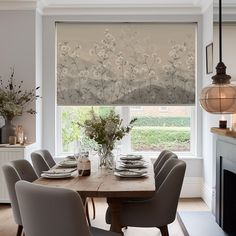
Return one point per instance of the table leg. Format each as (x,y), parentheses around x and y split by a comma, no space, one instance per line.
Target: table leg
(86,210)
(115,205)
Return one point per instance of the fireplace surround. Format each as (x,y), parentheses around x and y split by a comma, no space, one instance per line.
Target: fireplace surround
(226,185)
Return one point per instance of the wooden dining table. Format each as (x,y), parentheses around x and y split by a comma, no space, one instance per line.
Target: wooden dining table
(103,183)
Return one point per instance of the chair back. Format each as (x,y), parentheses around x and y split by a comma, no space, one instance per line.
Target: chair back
(159,157)
(168,184)
(47,157)
(51,211)
(11,177)
(163,157)
(24,170)
(39,163)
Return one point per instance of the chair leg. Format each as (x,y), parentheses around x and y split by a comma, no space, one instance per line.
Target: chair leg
(93,208)
(164,230)
(19,230)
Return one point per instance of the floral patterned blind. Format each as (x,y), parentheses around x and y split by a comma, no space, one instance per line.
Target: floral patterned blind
(125,64)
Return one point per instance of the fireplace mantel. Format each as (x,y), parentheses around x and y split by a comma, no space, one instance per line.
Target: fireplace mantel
(224,132)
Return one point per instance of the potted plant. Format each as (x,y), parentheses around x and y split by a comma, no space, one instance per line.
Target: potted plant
(14,102)
(105,131)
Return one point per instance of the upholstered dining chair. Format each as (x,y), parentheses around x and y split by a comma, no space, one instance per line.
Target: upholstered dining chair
(24,170)
(161,160)
(13,172)
(58,212)
(11,178)
(160,210)
(159,157)
(39,163)
(47,157)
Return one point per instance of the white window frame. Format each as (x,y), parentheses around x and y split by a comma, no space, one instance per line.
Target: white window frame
(125,147)
(49,108)
(163,109)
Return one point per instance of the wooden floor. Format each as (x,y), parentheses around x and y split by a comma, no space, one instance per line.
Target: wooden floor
(8,226)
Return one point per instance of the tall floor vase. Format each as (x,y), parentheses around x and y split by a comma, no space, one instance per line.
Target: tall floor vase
(7,130)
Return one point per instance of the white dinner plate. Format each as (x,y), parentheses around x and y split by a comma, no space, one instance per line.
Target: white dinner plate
(131,157)
(56,176)
(68,163)
(129,174)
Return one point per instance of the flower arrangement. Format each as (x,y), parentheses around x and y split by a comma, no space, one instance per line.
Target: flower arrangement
(13,100)
(105,131)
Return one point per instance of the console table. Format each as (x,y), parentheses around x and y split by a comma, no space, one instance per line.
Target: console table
(9,153)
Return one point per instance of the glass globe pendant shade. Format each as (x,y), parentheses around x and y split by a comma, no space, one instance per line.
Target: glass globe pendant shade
(219,98)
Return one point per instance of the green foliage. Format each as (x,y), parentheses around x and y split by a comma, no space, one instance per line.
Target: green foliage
(71,131)
(105,130)
(163,121)
(144,136)
(14,100)
(159,139)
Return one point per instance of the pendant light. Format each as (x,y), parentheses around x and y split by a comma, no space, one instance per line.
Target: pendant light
(220,96)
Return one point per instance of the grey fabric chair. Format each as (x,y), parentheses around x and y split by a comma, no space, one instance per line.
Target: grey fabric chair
(24,170)
(164,156)
(13,172)
(159,157)
(39,163)
(47,157)
(11,178)
(58,212)
(160,210)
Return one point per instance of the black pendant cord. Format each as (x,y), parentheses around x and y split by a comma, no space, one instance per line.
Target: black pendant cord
(221,77)
(220,30)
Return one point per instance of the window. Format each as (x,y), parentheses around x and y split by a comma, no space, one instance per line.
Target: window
(152,131)
(152,78)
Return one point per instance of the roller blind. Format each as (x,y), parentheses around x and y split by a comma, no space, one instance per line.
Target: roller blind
(125,63)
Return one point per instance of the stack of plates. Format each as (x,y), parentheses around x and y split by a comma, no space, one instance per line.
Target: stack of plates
(131,157)
(129,164)
(68,163)
(129,174)
(133,164)
(56,175)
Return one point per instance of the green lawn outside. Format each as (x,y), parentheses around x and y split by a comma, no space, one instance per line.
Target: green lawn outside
(159,138)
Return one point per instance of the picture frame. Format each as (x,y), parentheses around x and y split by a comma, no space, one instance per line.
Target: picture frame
(209,58)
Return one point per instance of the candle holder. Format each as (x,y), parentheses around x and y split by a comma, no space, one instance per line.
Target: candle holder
(223,124)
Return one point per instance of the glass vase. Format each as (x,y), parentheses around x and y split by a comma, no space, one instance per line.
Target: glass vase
(106,157)
(7,130)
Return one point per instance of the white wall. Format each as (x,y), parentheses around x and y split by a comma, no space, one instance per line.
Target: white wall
(209,120)
(18,49)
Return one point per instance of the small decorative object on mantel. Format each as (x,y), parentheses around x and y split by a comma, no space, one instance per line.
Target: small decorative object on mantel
(14,102)
(105,131)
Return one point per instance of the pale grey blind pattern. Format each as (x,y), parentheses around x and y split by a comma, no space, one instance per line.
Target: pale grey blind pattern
(125,64)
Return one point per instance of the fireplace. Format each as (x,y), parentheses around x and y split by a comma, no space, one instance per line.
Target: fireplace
(226,192)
